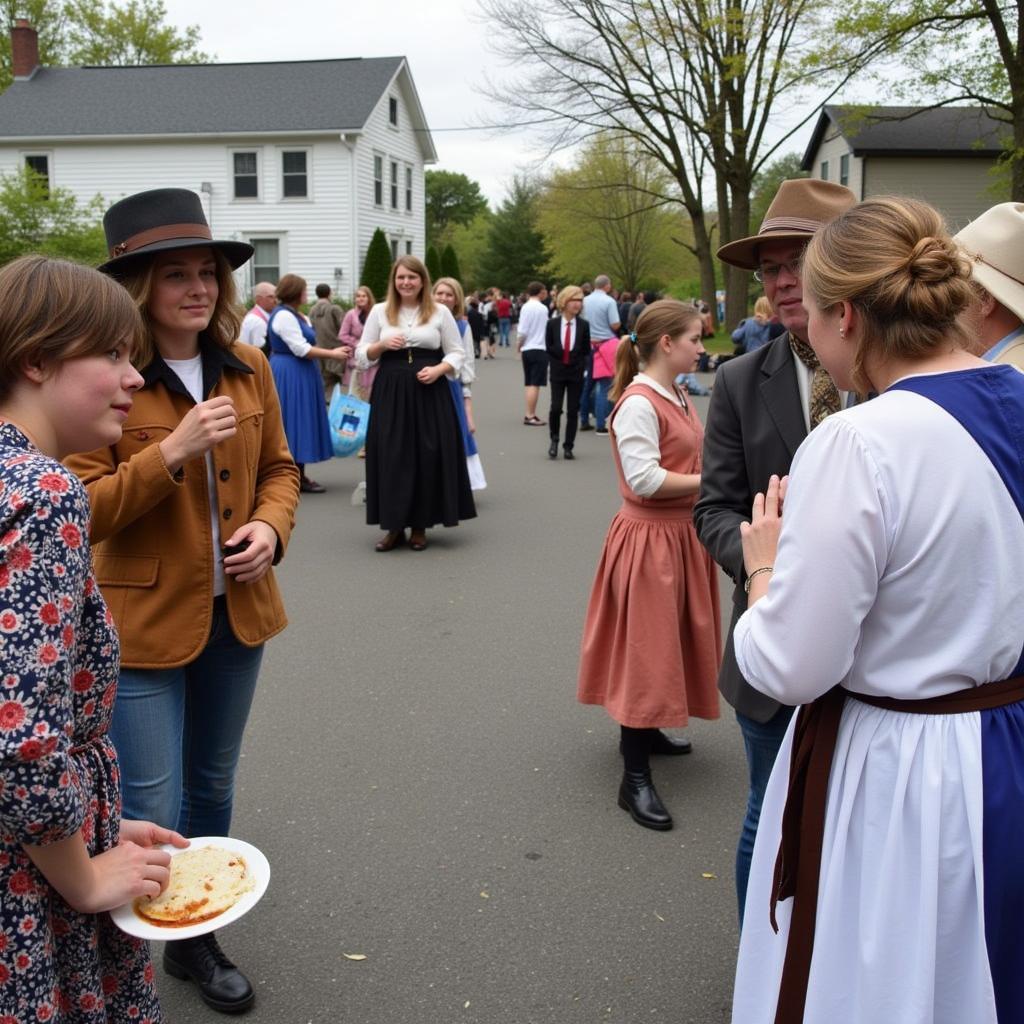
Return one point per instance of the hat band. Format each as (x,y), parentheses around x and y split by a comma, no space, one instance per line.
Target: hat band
(161,234)
(790,224)
(978,258)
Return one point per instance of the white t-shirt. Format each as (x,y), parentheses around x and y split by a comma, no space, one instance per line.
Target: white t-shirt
(533,325)
(190,373)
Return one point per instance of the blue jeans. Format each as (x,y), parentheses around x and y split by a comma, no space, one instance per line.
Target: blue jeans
(602,385)
(178,733)
(762,741)
(587,395)
(504,323)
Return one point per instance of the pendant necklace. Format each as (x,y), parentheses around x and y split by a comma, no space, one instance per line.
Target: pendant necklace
(407,319)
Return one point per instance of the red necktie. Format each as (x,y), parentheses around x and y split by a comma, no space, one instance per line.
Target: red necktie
(568,343)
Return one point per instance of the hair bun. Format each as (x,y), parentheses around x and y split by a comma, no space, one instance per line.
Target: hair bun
(933,260)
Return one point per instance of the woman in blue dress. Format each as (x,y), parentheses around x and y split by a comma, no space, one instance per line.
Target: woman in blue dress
(299,387)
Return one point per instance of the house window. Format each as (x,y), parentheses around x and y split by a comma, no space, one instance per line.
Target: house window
(393,111)
(40,163)
(394,185)
(394,249)
(378,181)
(844,169)
(408,248)
(408,189)
(295,174)
(266,260)
(824,170)
(246,175)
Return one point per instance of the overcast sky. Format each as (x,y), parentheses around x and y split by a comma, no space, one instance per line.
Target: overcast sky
(443,42)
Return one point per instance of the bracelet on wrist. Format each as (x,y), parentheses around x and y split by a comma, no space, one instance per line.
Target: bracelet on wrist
(756,572)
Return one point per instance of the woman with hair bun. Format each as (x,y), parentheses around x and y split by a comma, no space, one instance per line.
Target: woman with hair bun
(885,882)
(652,637)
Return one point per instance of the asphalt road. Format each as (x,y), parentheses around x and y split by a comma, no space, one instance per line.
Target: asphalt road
(432,798)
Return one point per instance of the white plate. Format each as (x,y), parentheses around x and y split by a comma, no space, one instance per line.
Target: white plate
(129,921)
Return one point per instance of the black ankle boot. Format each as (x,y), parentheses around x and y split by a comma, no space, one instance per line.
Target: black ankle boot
(662,743)
(221,984)
(638,796)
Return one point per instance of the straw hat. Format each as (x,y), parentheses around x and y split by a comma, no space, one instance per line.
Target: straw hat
(157,220)
(994,242)
(800,207)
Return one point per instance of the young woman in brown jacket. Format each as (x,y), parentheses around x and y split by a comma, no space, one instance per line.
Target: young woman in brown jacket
(190,509)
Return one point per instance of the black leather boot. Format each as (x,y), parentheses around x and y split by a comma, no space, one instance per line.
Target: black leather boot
(221,984)
(665,744)
(638,796)
(553,450)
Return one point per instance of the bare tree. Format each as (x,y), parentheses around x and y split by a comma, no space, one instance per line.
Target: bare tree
(697,84)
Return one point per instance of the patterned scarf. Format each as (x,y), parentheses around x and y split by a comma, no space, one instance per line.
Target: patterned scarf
(825,398)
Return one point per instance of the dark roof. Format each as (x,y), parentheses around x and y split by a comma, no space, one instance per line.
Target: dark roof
(191,99)
(911,131)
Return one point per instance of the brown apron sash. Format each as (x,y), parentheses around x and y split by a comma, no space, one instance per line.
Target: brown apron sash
(798,865)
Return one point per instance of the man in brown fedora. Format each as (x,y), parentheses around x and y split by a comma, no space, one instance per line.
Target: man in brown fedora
(762,407)
(994,243)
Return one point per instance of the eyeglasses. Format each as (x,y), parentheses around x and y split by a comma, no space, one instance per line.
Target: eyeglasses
(770,271)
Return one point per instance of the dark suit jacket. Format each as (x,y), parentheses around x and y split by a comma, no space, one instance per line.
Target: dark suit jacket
(554,340)
(755,424)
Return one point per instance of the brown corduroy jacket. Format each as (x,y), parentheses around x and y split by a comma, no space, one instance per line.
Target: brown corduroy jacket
(151,532)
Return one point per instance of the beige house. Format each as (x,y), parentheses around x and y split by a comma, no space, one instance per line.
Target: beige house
(945,155)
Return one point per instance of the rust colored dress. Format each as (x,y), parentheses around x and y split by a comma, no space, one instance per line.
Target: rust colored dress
(652,636)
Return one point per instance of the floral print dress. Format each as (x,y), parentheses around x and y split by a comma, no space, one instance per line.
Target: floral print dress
(58,770)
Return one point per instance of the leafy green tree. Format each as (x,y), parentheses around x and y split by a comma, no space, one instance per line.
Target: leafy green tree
(452,200)
(517,251)
(77,32)
(49,221)
(602,216)
(450,264)
(470,241)
(433,262)
(377,266)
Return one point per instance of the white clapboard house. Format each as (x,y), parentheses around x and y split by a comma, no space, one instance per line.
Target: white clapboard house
(303,159)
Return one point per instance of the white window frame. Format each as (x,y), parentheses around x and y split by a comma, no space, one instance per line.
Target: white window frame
(823,169)
(844,169)
(393,188)
(258,150)
(381,158)
(308,150)
(48,153)
(409,188)
(393,241)
(282,253)
(397,107)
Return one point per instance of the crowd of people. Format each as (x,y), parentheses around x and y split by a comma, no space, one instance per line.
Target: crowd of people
(152,459)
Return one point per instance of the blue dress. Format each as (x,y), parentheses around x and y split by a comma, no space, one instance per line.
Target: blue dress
(301,392)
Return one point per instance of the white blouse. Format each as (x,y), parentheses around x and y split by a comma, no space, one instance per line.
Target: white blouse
(440,331)
(637,436)
(468,372)
(286,327)
(889,578)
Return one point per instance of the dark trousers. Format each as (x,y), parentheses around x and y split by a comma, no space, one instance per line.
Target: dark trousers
(586,405)
(560,387)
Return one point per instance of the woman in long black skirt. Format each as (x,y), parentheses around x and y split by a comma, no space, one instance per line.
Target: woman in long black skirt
(416,472)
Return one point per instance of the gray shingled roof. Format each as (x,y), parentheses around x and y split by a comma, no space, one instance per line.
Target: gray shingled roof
(190,99)
(912,131)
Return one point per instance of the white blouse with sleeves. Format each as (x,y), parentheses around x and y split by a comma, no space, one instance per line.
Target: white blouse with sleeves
(440,331)
(286,327)
(890,576)
(638,439)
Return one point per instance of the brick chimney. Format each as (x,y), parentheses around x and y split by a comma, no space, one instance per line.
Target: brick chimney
(24,49)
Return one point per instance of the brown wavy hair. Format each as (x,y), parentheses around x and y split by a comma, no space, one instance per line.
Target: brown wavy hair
(894,261)
(393,302)
(666,316)
(227,315)
(55,310)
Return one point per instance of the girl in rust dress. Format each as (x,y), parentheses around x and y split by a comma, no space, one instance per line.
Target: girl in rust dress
(651,641)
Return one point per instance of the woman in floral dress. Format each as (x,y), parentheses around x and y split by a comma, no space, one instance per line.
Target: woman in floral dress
(65,856)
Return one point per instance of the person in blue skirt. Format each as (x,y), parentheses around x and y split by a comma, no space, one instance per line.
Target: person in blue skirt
(292,351)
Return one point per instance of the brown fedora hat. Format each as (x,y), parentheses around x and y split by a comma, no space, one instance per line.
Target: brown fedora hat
(157,220)
(800,207)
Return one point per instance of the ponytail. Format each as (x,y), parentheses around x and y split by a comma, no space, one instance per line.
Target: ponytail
(627,366)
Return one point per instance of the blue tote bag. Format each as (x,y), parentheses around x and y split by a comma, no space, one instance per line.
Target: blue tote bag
(348,417)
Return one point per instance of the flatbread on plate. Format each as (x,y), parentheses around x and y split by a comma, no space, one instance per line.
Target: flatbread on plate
(204,883)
